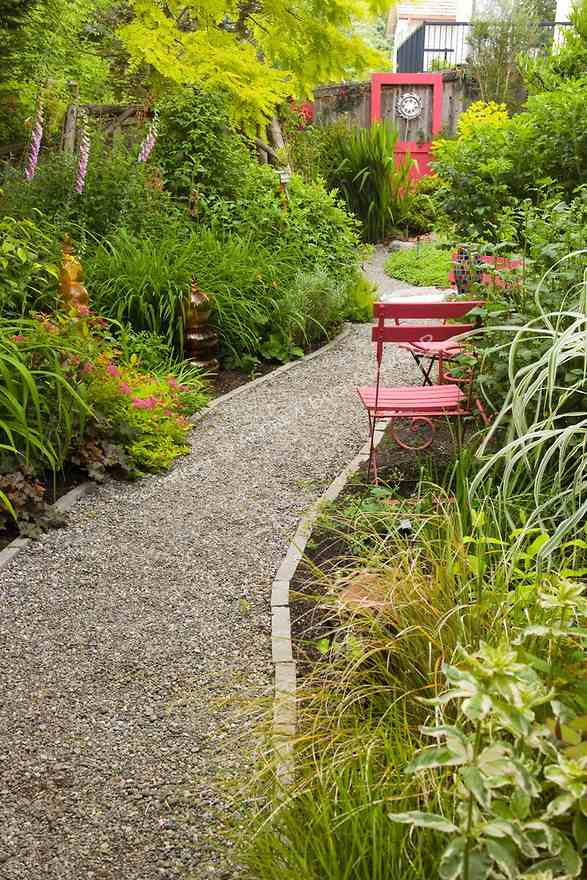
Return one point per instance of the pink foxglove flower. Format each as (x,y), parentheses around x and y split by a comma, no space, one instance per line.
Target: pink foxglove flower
(84,154)
(150,141)
(36,138)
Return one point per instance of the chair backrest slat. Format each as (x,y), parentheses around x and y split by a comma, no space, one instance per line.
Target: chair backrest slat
(419,332)
(402,309)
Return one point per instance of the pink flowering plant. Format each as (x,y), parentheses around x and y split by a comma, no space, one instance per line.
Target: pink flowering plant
(90,407)
(145,414)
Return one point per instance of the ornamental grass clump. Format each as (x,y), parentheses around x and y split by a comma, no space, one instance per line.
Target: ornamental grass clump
(376,187)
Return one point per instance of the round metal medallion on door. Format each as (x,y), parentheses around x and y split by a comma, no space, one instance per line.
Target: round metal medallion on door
(409,106)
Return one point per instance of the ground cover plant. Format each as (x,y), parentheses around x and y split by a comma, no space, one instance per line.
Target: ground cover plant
(425,265)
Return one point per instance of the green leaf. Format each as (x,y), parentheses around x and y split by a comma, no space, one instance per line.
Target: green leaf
(520,804)
(479,865)
(559,805)
(474,782)
(502,857)
(424,820)
(452,860)
(580,831)
(435,757)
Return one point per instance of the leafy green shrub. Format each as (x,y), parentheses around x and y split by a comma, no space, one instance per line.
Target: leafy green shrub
(423,266)
(482,172)
(519,795)
(28,267)
(559,120)
(423,212)
(201,154)
(311,148)
(312,228)
(360,296)
(117,193)
(376,188)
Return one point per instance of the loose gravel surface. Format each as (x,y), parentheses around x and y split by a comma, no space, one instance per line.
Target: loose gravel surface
(134,642)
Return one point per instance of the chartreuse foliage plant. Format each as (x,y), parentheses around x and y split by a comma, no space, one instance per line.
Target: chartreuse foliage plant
(259,53)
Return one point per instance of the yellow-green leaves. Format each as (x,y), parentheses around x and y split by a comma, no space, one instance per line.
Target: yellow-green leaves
(260,58)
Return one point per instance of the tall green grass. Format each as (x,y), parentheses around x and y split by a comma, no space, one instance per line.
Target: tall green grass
(376,187)
(255,291)
(542,424)
(40,410)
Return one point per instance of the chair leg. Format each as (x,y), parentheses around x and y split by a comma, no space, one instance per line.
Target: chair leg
(425,372)
(372,450)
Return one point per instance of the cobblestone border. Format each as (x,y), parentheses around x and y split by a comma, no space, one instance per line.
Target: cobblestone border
(284,702)
(62,505)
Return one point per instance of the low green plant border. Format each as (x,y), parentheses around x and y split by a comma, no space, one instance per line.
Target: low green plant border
(423,266)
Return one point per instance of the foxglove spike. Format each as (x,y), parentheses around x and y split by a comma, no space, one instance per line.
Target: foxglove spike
(36,138)
(84,154)
(150,140)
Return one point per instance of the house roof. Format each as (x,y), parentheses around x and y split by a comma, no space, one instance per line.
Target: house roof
(427,9)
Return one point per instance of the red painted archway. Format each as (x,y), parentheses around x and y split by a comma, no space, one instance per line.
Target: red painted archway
(420,151)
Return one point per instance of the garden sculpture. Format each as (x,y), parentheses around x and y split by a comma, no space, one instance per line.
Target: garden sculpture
(71,291)
(201,340)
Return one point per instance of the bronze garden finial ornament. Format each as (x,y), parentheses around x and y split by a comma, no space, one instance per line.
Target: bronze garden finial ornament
(201,340)
(71,291)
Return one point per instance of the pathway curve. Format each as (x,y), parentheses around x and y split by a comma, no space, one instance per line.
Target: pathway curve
(129,639)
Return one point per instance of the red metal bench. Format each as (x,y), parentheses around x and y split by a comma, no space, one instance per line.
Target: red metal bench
(419,404)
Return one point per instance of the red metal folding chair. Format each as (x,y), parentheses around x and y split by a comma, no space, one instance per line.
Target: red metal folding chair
(427,354)
(420,404)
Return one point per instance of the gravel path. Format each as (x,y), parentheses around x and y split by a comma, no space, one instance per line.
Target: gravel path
(132,640)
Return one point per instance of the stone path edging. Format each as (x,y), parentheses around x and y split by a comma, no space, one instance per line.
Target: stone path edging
(70,499)
(62,505)
(284,702)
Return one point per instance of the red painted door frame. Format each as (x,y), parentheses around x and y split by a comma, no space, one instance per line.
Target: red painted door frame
(421,153)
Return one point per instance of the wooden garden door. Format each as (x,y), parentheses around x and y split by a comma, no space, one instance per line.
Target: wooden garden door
(413,103)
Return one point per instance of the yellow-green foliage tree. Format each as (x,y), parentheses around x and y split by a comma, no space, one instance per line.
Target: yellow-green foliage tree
(258,51)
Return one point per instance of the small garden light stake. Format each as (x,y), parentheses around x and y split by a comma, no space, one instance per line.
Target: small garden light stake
(284,179)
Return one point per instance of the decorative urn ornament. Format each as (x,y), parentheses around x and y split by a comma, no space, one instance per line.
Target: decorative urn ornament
(72,292)
(201,340)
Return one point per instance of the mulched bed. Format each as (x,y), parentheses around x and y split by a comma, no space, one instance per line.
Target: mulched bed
(56,486)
